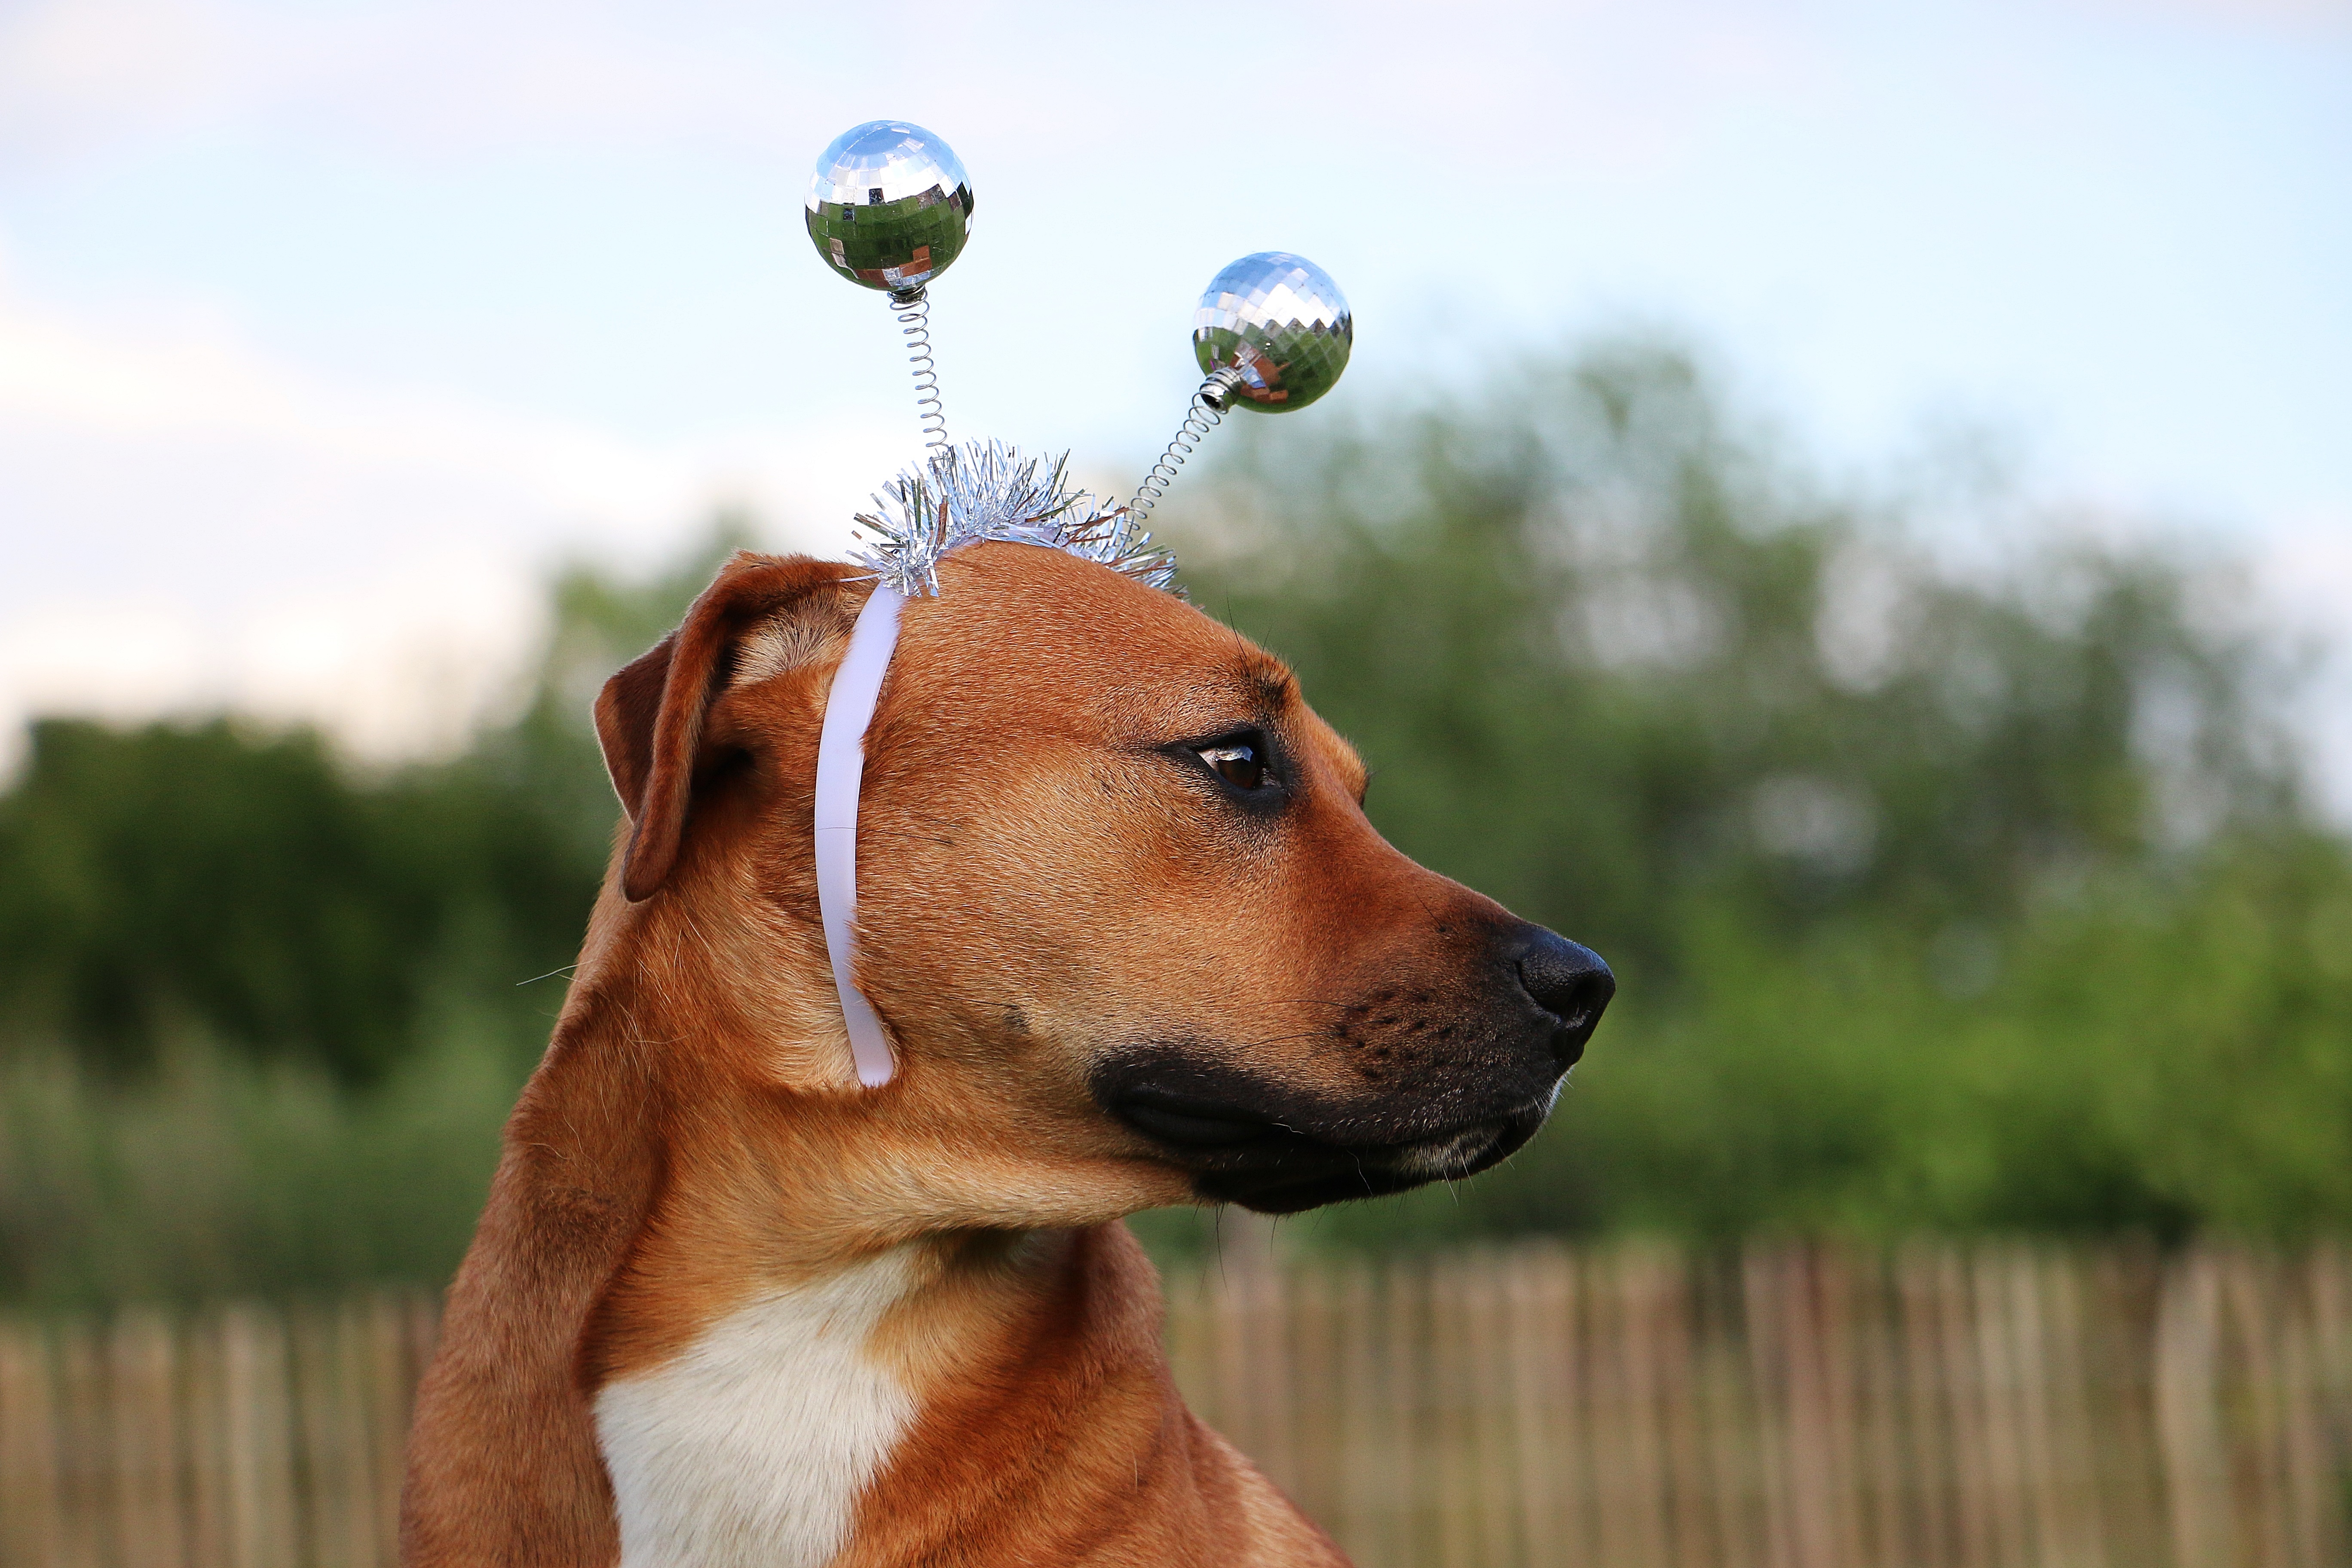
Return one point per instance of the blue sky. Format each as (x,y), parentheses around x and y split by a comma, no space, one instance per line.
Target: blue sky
(323,328)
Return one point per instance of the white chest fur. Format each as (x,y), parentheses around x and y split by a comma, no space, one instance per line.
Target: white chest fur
(752,1445)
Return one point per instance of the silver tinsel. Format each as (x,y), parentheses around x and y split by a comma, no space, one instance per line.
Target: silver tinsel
(984,490)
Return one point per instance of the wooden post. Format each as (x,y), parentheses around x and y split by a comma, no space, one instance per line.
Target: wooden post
(1319,1429)
(84,1443)
(1450,1428)
(1643,1485)
(1542,1331)
(31,1533)
(1883,1467)
(1763,1297)
(1936,1505)
(258,1427)
(2019,1302)
(2327,1275)
(1276,1370)
(150,1527)
(2196,1482)
(1362,1510)
(1979,1503)
(1734,1420)
(1415,1477)
(337,1472)
(1665,1279)
(1491,1471)
(2120,1348)
(2301,1434)
(390,1379)
(1815,1473)
(1839,1357)
(205,1389)
(2074,1442)
(2002,1421)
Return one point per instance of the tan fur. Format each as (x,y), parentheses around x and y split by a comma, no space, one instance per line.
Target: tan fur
(1036,887)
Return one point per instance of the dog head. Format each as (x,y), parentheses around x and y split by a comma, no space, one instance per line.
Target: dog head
(1119,906)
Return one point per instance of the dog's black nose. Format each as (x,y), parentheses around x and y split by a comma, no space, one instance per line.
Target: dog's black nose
(1568,981)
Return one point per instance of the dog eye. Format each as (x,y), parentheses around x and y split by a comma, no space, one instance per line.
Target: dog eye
(1238,766)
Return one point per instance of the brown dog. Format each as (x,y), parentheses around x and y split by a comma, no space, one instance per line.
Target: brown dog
(1136,944)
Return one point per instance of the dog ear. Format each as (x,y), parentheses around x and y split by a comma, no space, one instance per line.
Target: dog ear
(649,717)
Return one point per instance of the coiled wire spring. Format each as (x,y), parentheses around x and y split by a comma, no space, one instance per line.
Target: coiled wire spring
(915,324)
(1206,413)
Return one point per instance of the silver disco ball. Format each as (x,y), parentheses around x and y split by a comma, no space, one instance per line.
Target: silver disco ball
(1280,328)
(890,207)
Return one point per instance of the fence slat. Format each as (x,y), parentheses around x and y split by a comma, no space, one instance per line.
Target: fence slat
(389,1375)
(1540,1338)
(83,1442)
(2196,1482)
(30,1495)
(149,1529)
(1452,1428)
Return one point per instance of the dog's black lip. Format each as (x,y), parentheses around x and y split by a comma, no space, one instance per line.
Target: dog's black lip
(1207,1132)
(1235,1156)
(1188,1124)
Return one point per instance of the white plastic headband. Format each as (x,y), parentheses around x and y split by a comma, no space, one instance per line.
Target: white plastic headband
(840,768)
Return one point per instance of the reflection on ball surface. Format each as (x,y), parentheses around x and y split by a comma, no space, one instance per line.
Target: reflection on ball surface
(889,205)
(1281,324)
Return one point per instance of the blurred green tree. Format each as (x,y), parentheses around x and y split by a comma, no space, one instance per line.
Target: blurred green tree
(1614,667)
(235,884)
(171,877)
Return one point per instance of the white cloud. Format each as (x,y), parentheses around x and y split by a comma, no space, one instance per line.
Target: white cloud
(190,522)
(78,74)
(2298,15)
(1607,79)
(399,666)
(193,379)
(72,72)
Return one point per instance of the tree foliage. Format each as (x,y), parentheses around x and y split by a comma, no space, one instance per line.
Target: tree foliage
(1612,667)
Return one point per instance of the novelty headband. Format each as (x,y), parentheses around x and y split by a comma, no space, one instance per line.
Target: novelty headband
(890,207)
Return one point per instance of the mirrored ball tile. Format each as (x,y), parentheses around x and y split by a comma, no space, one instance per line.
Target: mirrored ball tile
(1280,322)
(889,205)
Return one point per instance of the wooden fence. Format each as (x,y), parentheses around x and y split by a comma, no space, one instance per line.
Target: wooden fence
(243,1438)
(1986,1407)
(1942,1409)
